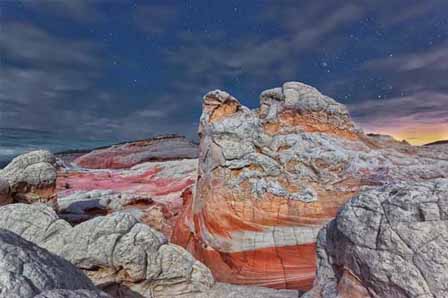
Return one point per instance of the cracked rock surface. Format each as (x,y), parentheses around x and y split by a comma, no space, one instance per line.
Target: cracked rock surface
(27,270)
(122,256)
(270,178)
(387,242)
(31,176)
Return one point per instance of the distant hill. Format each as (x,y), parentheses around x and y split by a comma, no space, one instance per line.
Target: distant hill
(442,142)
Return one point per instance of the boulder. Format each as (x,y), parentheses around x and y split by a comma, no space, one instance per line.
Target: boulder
(27,270)
(31,176)
(126,155)
(270,178)
(387,242)
(122,256)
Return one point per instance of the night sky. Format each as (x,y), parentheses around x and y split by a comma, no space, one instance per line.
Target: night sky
(120,70)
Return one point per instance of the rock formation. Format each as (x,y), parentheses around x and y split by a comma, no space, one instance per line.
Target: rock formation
(387,242)
(269,179)
(129,154)
(122,256)
(27,270)
(31,176)
(151,191)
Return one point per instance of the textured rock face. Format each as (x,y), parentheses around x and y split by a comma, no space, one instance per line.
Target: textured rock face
(5,196)
(31,176)
(150,191)
(26,270)
(387,242)
(269,179)
(122,256)
(129,154)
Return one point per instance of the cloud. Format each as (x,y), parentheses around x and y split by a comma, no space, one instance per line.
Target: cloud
(433,59)
(23,42)
(65,85)
(262,56)
(79,10)
(420,118)
(42,75)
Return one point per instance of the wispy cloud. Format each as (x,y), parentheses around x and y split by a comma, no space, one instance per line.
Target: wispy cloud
(79,10)
(419,118)
(24,42)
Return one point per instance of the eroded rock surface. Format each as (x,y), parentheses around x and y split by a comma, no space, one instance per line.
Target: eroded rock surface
(122,256)
(31,176)
(129,154)
(387,242)
(27,270)
(150,191)
(269,179)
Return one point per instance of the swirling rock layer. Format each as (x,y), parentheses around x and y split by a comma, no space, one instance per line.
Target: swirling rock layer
(269,179)
(151,191)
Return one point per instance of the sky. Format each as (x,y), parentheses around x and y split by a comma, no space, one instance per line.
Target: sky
(120,70)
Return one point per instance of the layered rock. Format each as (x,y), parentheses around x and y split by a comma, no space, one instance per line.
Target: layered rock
(387,242)
(150,191)
(31,176)
(129,154)
(122,256)
(269,179)
(27,270)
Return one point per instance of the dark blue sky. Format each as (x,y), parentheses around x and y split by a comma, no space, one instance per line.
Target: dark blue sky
(119,70)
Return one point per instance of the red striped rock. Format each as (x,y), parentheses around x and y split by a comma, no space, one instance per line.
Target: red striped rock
(269,179)
(151,191)
(126,155)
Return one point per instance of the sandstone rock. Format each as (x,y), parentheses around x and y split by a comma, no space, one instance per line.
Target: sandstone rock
(129,154)
(150,191)
(72,294)
(387,242)
(27,270)
(118,253)
(269,179)
(5,196)
(31,176)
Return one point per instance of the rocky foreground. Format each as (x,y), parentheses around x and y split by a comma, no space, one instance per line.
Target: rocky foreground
(252,204)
